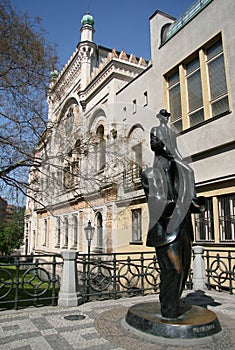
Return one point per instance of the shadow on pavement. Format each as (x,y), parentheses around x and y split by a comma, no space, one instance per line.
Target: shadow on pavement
(200,298)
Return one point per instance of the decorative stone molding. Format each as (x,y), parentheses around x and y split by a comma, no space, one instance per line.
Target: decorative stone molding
(66,79)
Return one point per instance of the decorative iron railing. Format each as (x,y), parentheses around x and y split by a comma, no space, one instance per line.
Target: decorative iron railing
(34,280)
(27,280)
(117,275)
(220,269)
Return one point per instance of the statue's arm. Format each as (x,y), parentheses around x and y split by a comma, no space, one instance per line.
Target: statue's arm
(155,143)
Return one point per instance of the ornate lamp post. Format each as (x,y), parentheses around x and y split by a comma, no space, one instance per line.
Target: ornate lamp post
(89,232)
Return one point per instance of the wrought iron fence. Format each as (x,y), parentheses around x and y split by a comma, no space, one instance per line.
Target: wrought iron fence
(220,269)
(116,275)
(27,280)
(35,280)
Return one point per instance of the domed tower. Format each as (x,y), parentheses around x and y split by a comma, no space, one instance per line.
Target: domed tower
(87,49)
(87,29)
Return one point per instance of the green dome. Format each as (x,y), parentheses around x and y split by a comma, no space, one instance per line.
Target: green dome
(54,74)
(87,19)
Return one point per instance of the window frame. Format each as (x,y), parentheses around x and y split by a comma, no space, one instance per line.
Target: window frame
(204,223)
(207,102)
(226,207)
(136,224)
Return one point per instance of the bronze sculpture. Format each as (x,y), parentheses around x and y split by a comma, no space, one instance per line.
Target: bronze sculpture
(170,191)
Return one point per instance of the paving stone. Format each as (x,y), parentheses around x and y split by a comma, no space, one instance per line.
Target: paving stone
(10,328)
(102,328)
(57,342)
(41,323)
(18,337)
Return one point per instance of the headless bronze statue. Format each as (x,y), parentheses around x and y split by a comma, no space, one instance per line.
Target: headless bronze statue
(170,191)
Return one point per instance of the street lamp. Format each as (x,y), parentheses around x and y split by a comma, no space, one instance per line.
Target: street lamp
(89,232)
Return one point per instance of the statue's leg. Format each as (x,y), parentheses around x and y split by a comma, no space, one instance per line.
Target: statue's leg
(174,263)
(186,257)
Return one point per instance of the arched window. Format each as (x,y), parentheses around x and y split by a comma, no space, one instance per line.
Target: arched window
(99,224)
(136,139)
(164,31)
(100,148)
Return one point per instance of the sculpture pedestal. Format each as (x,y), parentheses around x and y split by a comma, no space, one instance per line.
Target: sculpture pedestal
(194,323)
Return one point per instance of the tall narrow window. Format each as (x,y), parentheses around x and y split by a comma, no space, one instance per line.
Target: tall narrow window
(217,79)
(227,217)
(137,161)
(134,106)
(45,233)
(194,87)
(34,239)
(100,148)
(66,232)
(145,98)
(99,221)
(136,226)
(175,100)
(75,231)
(58,234)
(204,223)
(76,162)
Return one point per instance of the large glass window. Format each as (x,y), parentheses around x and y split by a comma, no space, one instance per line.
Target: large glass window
(199,82)
(175,100)
(227,217)
(217,79)
(194,89)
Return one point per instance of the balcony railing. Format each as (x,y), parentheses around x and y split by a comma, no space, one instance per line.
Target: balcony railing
(191,12)
(132,177)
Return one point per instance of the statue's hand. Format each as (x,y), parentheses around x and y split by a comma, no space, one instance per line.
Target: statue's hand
(198,205)
(156,144)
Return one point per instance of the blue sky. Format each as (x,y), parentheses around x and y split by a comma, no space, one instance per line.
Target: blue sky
(122,24)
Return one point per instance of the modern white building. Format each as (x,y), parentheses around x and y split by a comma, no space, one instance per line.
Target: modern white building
(102,106)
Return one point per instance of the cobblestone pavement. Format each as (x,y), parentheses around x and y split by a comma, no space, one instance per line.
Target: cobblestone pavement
(99,326)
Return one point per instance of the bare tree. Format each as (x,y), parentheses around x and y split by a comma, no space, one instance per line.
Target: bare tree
(26,60)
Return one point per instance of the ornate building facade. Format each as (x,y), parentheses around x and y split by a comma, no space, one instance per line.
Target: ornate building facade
(102,106)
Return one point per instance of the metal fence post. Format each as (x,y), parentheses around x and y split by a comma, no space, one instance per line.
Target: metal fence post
(199,273)
(68,295)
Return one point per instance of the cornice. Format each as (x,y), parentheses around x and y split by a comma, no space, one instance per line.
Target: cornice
(108,70)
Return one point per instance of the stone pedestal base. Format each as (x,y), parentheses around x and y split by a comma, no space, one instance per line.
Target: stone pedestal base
(194,322)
